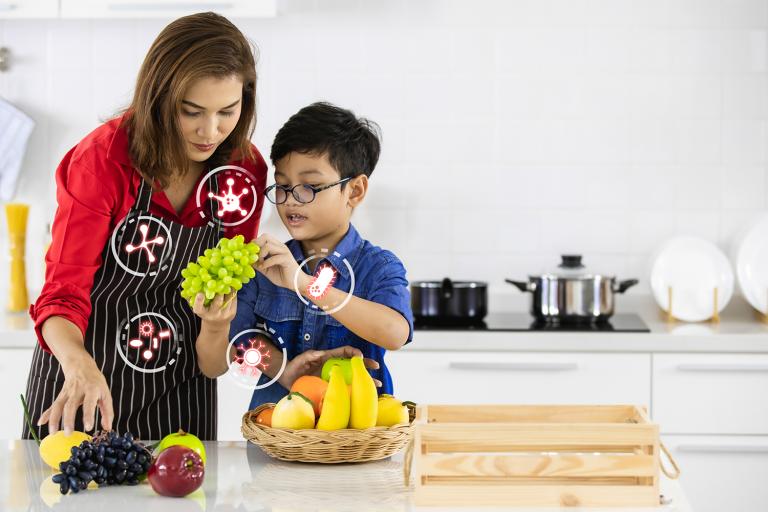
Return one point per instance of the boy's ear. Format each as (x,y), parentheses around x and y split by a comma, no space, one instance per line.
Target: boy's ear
(358,187)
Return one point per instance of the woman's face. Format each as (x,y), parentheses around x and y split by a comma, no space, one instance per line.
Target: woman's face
(209,112)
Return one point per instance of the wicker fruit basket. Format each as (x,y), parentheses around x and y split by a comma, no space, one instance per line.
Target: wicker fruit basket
(327,447)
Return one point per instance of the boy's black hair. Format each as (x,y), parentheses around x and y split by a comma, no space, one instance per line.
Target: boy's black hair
(352,143)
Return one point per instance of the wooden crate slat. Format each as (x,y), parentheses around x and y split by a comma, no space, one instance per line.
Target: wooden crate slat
(534,414)
(538,465)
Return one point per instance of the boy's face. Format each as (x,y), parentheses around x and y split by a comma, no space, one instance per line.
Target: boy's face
(331,209)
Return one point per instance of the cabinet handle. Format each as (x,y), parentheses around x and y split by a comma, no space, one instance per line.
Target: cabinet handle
(723,448)
(723,367)
(520,367)
(209,6)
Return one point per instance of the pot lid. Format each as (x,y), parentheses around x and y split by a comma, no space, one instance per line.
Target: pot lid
(571,267)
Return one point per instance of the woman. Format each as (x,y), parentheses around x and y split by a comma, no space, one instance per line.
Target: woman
(136,203)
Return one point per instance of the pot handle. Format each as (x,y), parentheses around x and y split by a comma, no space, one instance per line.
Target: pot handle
(623,286)
(523,286)
(446,289)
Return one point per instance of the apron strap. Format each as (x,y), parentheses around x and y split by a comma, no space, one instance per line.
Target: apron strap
(143,197)
(213,186)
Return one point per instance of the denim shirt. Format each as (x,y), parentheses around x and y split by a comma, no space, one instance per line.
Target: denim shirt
(379,276)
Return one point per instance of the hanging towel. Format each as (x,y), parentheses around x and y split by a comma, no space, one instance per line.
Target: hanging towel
(15,128)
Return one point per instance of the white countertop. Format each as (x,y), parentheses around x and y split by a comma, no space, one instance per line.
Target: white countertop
(239,477)
(739,331)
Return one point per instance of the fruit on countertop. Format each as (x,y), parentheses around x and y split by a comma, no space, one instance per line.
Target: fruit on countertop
(183,439)
(391,412)
(364,400)
(177,471)
(336,404)
(294,411)
(55,448)
(107,459)
(265,417)
(346,368)
(313,388)
(221,270)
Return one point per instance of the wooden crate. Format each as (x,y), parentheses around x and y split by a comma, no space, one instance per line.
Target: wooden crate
(542,455)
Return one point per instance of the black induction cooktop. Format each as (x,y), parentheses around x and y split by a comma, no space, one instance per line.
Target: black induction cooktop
(523,322)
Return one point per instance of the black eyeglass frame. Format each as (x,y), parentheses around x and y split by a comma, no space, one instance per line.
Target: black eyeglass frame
(315,190)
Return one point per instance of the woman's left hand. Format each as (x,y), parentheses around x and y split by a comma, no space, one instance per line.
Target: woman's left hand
(220,312)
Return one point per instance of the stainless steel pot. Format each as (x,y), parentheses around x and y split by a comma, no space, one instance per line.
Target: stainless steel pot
(449,301)
(570,294)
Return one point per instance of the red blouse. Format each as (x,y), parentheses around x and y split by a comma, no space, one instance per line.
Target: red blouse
(96,186)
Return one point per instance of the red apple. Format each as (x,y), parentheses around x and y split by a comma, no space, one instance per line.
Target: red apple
(177,471)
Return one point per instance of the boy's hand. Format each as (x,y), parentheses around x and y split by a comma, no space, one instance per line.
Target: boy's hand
(219,313)
(277,263)
(311,363)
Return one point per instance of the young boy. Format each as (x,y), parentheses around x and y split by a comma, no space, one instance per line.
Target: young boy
(323,157)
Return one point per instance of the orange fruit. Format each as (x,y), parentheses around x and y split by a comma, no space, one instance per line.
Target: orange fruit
(265,417)
(313,388)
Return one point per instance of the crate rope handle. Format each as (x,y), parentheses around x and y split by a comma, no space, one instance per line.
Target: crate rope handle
(408,460)
(671,460)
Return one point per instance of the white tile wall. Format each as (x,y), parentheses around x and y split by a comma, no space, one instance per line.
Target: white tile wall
(513,130)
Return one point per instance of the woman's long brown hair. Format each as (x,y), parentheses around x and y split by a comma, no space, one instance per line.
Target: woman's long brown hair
(190,48)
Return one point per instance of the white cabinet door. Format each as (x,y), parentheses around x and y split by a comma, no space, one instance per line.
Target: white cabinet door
(722,473)
(233,401)
(710,393)
(166,8)
(14,368)
(11,9)
(524,378)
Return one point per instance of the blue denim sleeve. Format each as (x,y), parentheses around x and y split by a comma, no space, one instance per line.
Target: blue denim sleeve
(390,288)
(245,317)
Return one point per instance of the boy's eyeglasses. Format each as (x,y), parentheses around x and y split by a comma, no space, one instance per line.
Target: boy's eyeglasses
(278,194)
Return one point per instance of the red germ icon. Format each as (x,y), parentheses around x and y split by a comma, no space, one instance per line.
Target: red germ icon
(229,201)
(146,335)
(325,276)
(252,358)
(144,245)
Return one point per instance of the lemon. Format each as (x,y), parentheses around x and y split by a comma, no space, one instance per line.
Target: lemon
(56,448)
(391,412)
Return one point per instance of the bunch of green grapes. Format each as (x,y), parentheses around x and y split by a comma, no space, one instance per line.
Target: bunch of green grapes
(221,270)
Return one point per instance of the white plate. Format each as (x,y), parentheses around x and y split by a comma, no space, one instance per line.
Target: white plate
(751,261)
(693,267)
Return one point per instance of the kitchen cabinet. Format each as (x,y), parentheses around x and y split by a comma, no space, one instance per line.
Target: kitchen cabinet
(232,403)
(165,8)
(710,393)
(522,378)
(14,9)
(722,473)
(14,367)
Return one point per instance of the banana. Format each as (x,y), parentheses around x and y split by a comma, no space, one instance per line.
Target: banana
(335,412)
(364,399)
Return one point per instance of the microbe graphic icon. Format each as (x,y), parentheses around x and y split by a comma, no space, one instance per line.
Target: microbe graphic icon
(324,278)
(144,245)
(252,358)
(229,201)
(146,335)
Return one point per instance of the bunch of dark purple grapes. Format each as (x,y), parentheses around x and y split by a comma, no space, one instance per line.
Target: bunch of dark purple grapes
(108,459)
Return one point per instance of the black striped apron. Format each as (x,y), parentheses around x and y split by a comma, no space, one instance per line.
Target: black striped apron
(141,333)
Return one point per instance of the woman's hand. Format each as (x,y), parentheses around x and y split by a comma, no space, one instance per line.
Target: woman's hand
(311,363)
(84,385)
(277,263)
(219,313)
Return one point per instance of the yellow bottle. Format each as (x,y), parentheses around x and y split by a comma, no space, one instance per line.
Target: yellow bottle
(364,399)
(335,412)
(16,215)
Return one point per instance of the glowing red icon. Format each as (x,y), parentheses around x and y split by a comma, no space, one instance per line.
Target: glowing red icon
(325,276)
(229,201)
(252,358)
(147,335)
(144,245)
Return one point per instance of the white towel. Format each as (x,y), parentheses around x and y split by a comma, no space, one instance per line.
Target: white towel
(15,128)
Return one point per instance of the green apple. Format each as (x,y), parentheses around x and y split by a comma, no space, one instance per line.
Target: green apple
(343,363)
(184,439)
